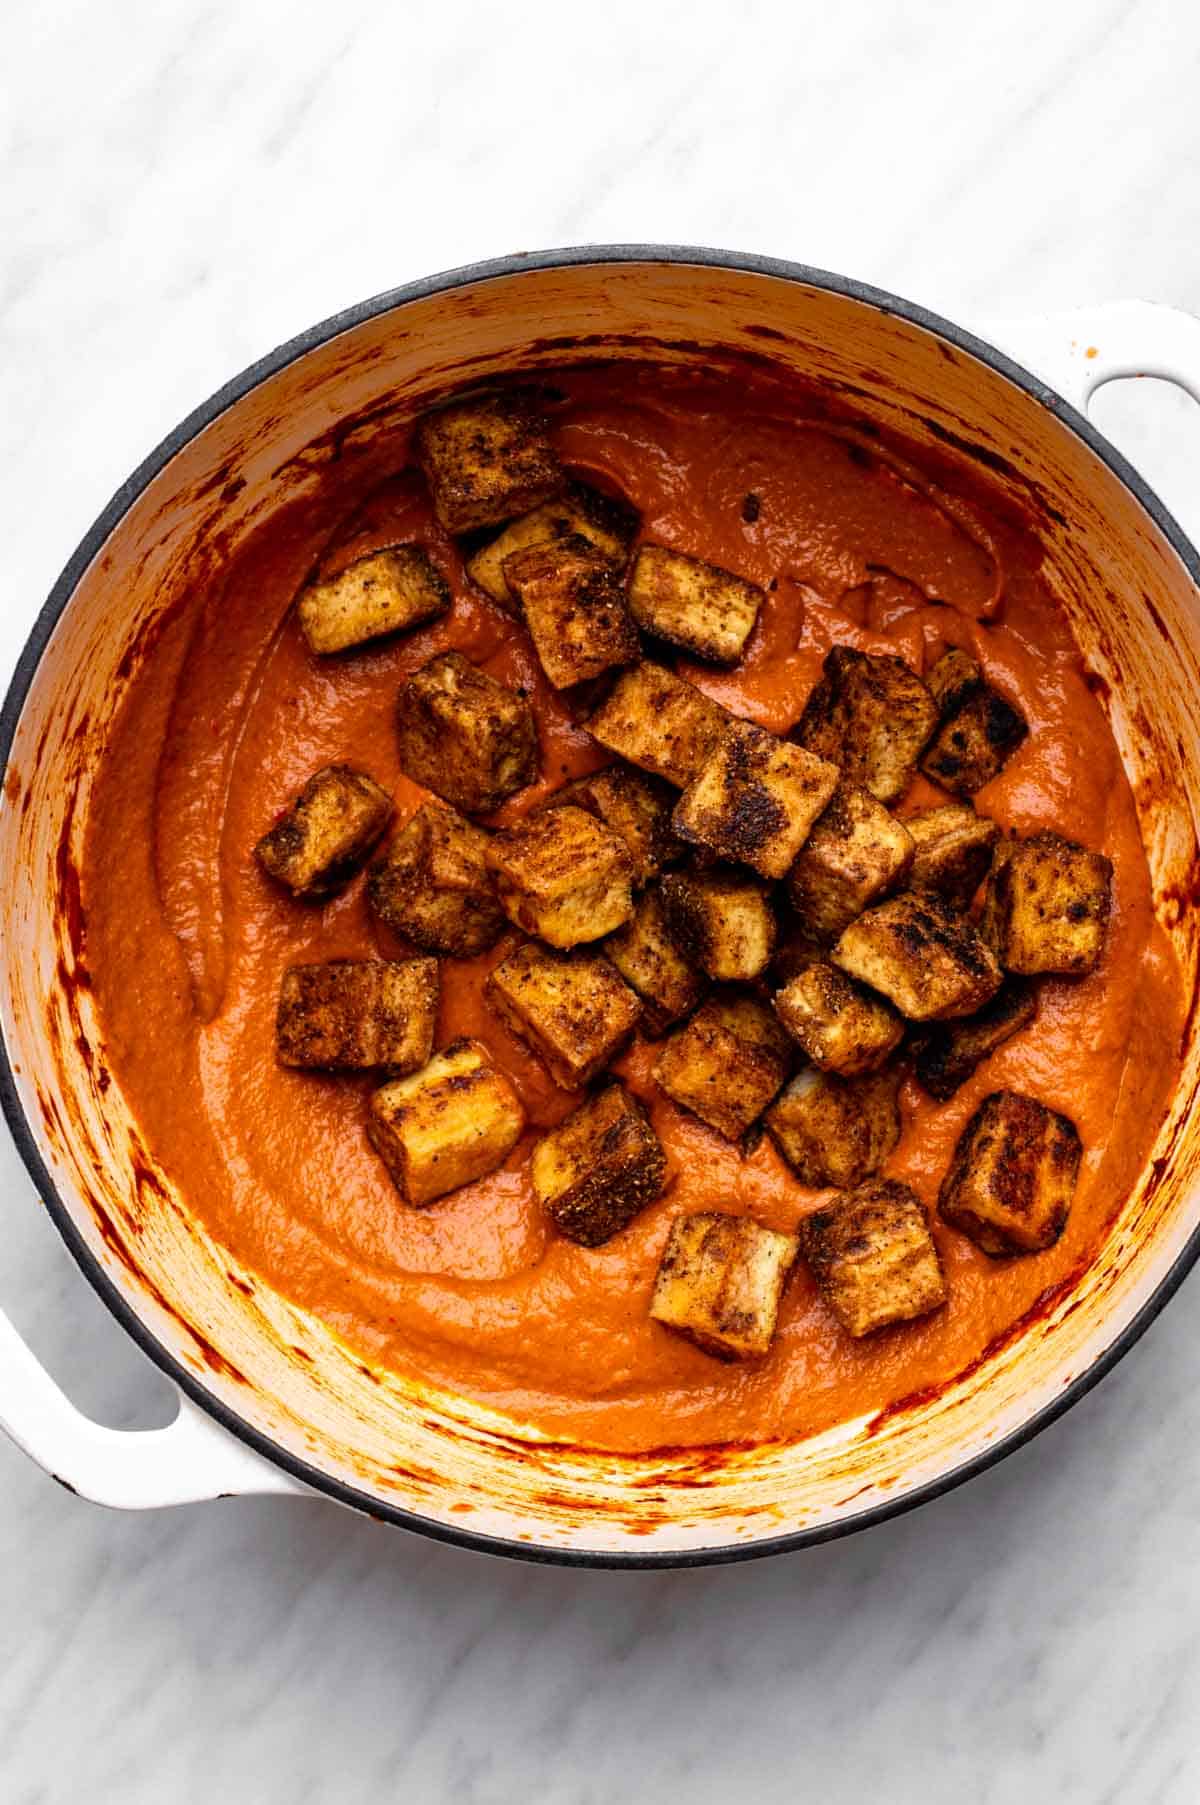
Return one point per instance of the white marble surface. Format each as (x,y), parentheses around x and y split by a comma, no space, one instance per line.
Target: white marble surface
(182,186)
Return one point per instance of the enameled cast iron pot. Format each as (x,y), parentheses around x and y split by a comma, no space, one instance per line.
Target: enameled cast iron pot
(269,1402)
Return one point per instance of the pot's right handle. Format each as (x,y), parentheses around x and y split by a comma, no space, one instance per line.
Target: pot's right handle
(1077,352)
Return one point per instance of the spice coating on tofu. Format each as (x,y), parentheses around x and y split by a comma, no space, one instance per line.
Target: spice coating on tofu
(464,736)
(842,1026)
(874,1258)
(855,854)
(1047,905)
(978,730)
(487,459)
(872,716)
(924,956)
(562,875)
(836,1131)
(727,1064)
(450,1123)
(704,610)
(1012,1180)
(952,850)
(633,805)
(660,722)
(572,601)
(755,799)
(597,1170)
(650,960)
(572,1010)
(604,521)
(720,1282)
(433,886)
(723,922)
(353,1014)
(329,831)
(383,592)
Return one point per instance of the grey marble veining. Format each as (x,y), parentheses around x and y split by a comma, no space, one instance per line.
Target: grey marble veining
(183,186)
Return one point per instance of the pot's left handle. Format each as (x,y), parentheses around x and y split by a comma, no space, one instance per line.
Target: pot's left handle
(191,1460)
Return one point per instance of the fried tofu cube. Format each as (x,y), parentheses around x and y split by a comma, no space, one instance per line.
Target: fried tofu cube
(385,592)
(572,1010)
(952,850)
(597,1170)
(434,886)
(926,958)
(978,731)
(487,459)
(720,1283)
(874,1258)
(454,1121)
(660,722)
(706,610)
(329,831)
(855,854)
(727,1064)
(1012,1179)
(951,1052)
(723,922)
(464,736)
(836,1131)
(755,799)
(608,524)
(842,1026)
(636,807)
(572,600)
(1047,905)
(562,875)
(649,959)
(871,715)
(353,1014)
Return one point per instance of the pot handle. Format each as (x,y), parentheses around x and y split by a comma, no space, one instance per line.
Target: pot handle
(191,1460)
(1078,352)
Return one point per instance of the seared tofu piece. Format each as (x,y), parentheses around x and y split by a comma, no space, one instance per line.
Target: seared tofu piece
(952,850)
(874,1258)
(464,736)
(434,887)
(487,459)
(660,722)
(923,955)
(649,959)
(841,1025)
(596,1171)
(573,602)
(562,875)
(755,799)
(572,1010)
(723,922)
(1012,1179)
(1047,905)
(454,1121)
(727,1064)
(836,1131)
(951,1052)
(855,854)
(384,592)
(353,1014)
(636,807)
(871,715)
(720,1282)
(329,831)
(978,731)
(706,610)
(608,524)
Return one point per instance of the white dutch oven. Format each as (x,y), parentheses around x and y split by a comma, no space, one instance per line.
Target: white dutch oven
(269,1400)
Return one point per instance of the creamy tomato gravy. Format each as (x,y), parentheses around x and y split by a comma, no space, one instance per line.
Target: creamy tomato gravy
(187,938)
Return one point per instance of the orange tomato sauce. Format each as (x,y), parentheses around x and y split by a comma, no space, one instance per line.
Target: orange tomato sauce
(230,714)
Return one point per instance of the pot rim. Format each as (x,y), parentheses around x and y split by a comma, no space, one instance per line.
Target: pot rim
(30,658)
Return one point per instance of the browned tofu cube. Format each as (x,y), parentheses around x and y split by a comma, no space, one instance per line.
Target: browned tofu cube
(755,799)
(952,1051)
(329,831)
(649,959)
(841,1025)
(954,679)
(874,1258)
(952,850)
(855,854)
(608,524)
(720,1282)
(660,722)
(563,875)
(636,807)
(723,922)
(465,736)
(572,1010)
(706,610)
(385,592)
(353,1014)
(572,600)
(434,886)
(978,731)
(836,1131)
(487,459)
(595,1171)
(923,955)
(454,1121)
(1012,1179)
(871,715)
(727,1064)
(1047,905)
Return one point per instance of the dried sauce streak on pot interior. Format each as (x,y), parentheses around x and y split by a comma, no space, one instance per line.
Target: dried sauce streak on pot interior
(229,715)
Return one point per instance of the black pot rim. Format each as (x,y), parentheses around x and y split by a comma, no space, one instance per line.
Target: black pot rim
(59,597)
